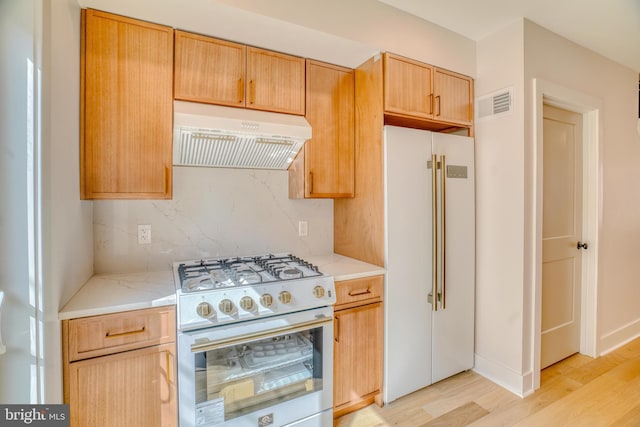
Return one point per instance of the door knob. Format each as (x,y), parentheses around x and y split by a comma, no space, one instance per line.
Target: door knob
(581,245)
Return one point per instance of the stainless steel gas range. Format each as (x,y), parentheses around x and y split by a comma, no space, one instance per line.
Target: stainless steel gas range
(255,342)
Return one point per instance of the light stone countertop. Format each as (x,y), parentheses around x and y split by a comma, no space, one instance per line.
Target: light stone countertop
(113,293)
(344,268)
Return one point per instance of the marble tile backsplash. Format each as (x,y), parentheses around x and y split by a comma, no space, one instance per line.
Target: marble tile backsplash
(215,212)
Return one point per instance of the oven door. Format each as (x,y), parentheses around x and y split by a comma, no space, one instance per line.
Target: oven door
(266,372)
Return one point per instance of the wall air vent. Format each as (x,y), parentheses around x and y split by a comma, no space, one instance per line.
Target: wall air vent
(495,104)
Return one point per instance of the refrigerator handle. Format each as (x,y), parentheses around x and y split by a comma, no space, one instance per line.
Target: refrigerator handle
(443,233)
(434,232)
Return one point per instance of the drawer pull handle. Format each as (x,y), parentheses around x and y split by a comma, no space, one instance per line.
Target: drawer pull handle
(125,334)
(355,294)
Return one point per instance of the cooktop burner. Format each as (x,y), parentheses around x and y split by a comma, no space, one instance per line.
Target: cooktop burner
(210,274)
(213,292)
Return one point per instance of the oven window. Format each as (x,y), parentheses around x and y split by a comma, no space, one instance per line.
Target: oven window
(243,378)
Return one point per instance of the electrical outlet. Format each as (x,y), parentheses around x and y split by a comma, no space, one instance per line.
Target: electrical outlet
(303,229)
(144,234)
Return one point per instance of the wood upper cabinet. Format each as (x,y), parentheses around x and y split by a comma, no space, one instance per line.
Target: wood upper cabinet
(416,89)
(275,81)
(216,71)
(324,168)
(126,108)
(453,97)
(120,369)
(358,344)
(408,86)
(209,70)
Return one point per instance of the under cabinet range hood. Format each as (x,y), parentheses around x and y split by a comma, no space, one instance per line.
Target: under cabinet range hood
(216,136)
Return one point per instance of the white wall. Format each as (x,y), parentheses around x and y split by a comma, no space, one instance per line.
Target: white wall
(66,220)
(500,211)
(375,24)
(215,212)
(505,180)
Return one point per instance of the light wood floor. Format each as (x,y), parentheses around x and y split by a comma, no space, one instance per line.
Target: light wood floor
(578,391)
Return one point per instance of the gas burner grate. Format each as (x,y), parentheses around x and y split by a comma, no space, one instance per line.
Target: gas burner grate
(207,274)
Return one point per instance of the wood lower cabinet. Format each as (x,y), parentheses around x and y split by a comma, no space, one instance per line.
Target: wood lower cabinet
(413,89)
(120,369)
(126,116)
(324,168)
(134,388)
(358,344)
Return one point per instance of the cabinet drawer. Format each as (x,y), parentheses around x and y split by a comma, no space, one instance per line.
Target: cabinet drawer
(367,289)
(112,333)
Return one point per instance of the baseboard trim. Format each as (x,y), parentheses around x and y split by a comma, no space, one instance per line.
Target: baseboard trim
(518,384)
(621,336)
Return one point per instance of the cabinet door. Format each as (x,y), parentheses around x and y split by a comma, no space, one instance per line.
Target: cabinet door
(126,108)
(133,388)
(453,97)
(275,82)
(357,354)
(407,87)
(209,70)
(328,157)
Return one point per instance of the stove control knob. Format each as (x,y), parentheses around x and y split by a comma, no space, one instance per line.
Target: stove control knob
(318,291)
(247,303)
(226,306)
(285,297)
(266,300)
(205,310)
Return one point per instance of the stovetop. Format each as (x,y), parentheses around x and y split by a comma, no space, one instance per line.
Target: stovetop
(211,274)
(213,292)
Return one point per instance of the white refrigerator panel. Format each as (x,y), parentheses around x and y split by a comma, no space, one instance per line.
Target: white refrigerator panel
(423,346)
(453,327)
(407,358)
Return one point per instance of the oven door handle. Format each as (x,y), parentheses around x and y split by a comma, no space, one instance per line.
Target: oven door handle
(298,327)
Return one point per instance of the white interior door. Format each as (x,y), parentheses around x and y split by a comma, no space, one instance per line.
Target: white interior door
(561,232)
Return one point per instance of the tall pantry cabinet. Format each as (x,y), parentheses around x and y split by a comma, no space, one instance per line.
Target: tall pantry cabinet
(126,108)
